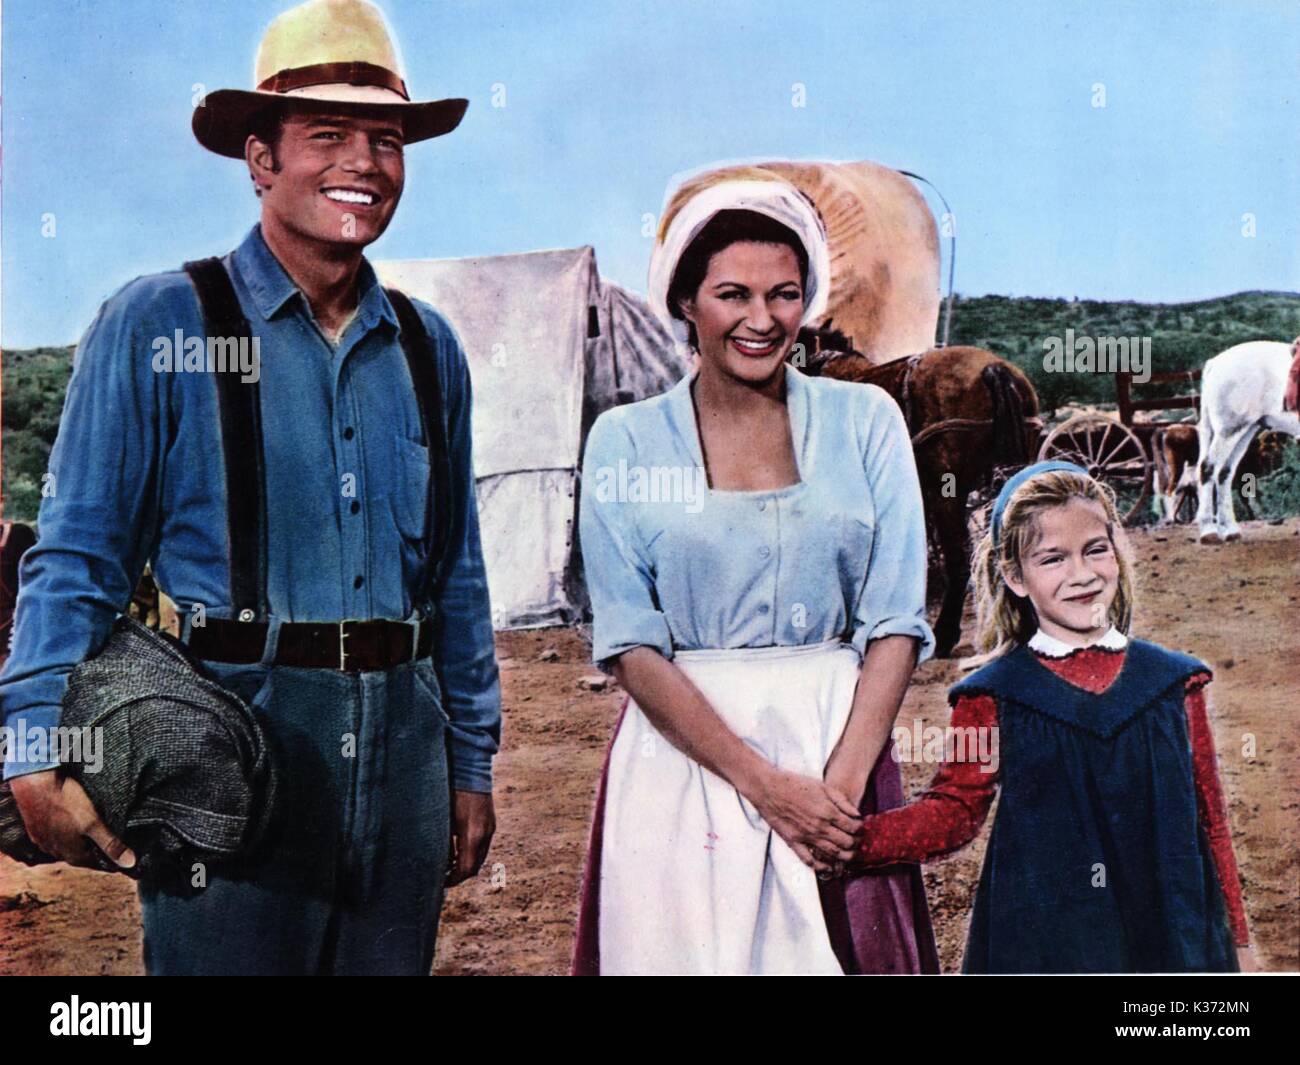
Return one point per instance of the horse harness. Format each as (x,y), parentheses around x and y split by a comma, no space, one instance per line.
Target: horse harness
(350,646)
(906,402)
(922,433)
(909,411)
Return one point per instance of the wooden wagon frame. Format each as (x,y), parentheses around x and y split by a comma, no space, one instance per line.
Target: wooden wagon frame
(1114,447)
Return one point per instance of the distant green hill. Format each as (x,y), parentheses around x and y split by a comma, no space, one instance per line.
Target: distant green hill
(34,381)
(1183,335)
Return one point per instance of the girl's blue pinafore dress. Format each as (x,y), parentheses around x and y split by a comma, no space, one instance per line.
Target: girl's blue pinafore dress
(1096,861)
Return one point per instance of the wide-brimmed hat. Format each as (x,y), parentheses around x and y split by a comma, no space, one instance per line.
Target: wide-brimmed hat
(774,198)
(329,55)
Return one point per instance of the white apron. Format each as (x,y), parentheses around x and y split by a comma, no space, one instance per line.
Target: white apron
(693,881)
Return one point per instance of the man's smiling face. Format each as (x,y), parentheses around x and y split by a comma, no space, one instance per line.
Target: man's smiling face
(339,179)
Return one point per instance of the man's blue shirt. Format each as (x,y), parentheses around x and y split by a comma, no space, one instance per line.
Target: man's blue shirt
(137,474)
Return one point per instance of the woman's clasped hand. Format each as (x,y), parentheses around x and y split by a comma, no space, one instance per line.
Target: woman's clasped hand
(817,821)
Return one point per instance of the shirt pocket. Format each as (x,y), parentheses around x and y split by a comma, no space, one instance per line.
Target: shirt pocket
(409,491)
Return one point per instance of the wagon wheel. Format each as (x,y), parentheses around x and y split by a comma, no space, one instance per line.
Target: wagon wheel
(1110,451)
(979,504)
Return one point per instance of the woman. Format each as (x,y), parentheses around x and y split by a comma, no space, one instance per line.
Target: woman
(736,614)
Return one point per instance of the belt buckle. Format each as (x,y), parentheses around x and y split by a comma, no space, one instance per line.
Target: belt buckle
(415,638)
(343,651)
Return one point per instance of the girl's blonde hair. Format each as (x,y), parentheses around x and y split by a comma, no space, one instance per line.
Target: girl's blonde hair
(1004,620)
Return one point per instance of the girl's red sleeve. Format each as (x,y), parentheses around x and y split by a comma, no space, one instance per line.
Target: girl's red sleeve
(1210,805)
(955,805)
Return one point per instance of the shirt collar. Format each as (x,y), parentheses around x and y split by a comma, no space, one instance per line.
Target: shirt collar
(1051,647)
(272,287)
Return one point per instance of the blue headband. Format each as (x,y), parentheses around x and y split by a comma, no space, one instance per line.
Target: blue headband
(1009,489)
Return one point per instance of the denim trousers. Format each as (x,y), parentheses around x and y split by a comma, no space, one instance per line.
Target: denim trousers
(350,878)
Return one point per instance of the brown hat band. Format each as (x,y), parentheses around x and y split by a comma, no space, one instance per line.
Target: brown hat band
(334,74)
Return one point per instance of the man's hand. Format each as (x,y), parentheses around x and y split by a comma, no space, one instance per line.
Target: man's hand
(61,820)
(473,821)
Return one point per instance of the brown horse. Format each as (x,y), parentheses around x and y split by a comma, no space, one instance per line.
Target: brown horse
(971,415)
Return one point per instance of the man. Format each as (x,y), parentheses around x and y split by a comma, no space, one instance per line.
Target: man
(377,687)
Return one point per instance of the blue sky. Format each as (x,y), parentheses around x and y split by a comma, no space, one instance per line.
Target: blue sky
(606,102)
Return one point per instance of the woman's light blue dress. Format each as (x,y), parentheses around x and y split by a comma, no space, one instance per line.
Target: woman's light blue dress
(675,565)
(682,874)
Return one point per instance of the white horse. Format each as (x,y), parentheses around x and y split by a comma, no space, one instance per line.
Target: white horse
(1241,393)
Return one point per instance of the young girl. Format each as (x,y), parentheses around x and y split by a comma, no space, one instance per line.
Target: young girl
(1110,851)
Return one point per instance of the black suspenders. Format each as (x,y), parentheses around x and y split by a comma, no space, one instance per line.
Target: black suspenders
(423,368)
(241,442)
(239,405)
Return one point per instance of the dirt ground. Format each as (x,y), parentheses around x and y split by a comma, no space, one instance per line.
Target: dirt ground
(1234,606)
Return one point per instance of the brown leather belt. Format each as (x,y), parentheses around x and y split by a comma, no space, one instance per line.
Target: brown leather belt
(349,646)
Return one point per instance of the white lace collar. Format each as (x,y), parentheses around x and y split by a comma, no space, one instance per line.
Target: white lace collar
(1051,647)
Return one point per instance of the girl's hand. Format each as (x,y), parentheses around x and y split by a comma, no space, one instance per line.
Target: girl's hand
(817,821)
(1246,960)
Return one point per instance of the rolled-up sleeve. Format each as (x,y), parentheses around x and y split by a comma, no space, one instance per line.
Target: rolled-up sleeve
(619,573)
(464,649)
(97,524)
(892,602)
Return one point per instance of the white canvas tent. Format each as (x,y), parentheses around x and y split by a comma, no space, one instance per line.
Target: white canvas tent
(549,346)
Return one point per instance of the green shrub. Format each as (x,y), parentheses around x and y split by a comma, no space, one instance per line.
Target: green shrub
(1278,494)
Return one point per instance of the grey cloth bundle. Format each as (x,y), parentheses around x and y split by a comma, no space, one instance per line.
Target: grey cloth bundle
(184,772)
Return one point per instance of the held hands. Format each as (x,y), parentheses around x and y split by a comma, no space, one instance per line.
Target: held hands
(815,818)
(849,781)
(61,820)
